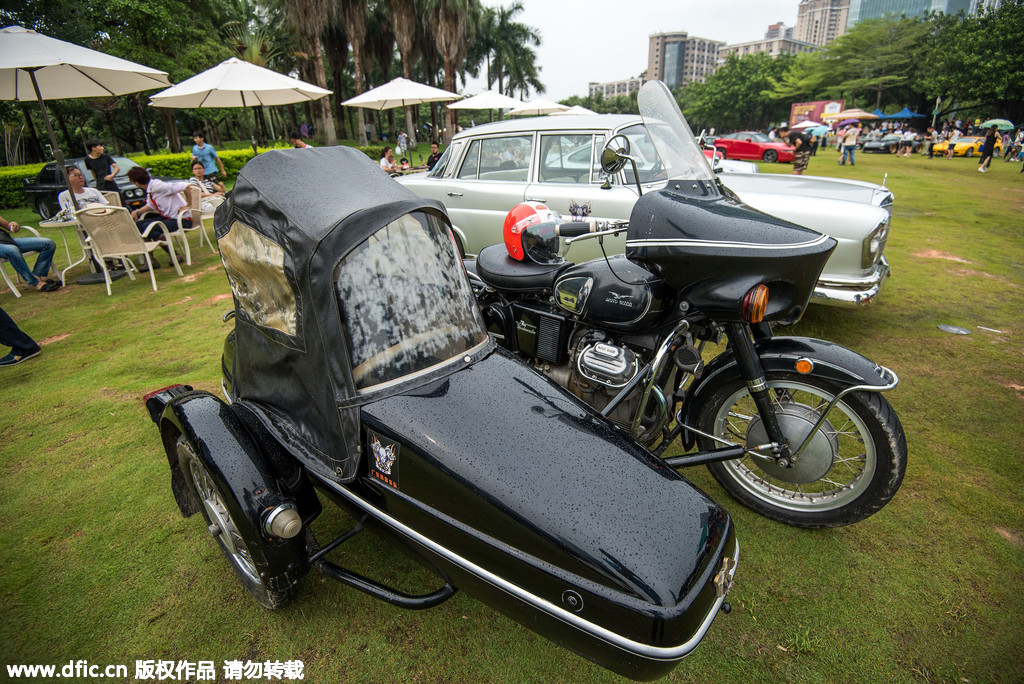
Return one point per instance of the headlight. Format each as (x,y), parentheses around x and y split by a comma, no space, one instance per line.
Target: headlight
(874,244)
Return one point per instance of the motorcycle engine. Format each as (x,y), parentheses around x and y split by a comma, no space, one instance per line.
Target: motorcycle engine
(596,372)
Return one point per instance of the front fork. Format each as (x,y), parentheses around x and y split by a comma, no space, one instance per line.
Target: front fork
(752,371)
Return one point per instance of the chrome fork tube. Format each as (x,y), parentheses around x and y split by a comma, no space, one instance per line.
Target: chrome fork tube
(650,387)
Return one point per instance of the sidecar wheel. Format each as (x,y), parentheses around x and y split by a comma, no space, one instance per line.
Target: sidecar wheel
(851,468)
(247,560)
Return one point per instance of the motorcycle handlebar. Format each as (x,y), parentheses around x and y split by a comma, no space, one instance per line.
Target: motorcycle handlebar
(572,229)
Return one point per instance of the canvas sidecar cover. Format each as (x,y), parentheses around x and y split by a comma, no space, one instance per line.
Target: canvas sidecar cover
(301,224)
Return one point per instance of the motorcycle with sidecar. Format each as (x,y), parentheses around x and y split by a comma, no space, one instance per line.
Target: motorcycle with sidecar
(360,372)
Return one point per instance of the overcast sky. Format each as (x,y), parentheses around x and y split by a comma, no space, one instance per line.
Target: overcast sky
(606,40)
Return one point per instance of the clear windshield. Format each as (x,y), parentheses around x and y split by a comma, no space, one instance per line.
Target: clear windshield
(405,301)
(676,147)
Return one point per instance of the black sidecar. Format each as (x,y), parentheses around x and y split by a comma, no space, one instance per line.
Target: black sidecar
(359,366)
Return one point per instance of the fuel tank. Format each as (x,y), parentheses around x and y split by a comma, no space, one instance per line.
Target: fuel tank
(712,249)
(615,292)
(542,509)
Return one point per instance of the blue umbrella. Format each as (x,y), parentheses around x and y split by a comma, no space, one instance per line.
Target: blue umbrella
(818,130)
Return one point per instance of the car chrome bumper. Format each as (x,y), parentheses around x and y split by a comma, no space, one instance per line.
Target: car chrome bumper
(853,292)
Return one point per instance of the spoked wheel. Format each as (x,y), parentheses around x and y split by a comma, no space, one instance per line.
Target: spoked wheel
(248,561)
(771,156)
(850,469)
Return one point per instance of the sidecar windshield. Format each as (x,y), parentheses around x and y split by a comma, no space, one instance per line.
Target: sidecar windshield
(680,155)
(406,302)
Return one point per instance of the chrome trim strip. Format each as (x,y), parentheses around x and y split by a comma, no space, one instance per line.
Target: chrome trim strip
(721,243)
(596,631)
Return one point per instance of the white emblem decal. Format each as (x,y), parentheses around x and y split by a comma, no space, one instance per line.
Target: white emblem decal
(384,456)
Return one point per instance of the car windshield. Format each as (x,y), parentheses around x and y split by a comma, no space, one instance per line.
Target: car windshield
(759,137)
(406,302)
(680,156)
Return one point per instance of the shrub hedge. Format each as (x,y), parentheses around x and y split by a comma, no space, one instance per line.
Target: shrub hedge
(173,165)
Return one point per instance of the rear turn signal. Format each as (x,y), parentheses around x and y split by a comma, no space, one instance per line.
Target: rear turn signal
(755,303)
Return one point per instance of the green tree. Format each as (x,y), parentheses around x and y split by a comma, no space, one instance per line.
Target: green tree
(453,22)
(732,99)
(978,60)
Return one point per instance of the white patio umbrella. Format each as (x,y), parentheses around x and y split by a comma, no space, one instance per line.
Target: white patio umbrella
(806,124)
(399,92)
(535,107)
(488,99)
(236,83)
(575,109)
(37,67)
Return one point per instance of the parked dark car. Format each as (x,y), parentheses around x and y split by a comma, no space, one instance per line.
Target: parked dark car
(359,366)
(42,190)
(888,143)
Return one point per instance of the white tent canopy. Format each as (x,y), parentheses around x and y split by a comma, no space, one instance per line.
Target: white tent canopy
(575,109)
(535,107)
(235,83)
(399,92)
(488,99)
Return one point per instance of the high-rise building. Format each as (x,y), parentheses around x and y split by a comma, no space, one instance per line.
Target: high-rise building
(679,59)
(979,5)
(870,9)
(771,46)
(821,21)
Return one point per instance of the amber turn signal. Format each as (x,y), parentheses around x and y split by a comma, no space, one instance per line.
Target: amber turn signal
(804,366)
(755,303)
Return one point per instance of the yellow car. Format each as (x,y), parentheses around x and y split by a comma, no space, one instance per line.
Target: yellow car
(967,146)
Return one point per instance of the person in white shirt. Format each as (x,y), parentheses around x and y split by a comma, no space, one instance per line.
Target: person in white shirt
(162,197)
(387,162)
(83,195)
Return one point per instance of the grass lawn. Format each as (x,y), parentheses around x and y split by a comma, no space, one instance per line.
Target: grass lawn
(99,565)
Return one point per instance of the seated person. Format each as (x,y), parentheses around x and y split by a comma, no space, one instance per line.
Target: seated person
(83,195)
(388,163)
(296,140)
(162,197)
(435,156)
(12,248)
(22,346)
(211,191)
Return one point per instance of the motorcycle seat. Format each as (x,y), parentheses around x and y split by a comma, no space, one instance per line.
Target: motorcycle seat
(496,268)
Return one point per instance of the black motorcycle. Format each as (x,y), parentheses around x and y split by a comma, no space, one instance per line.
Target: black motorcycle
(794,428)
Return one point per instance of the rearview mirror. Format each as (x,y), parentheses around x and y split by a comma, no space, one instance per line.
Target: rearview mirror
(615,155)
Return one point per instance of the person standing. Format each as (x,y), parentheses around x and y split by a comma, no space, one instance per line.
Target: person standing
(801,148)
(954,137)
(907,142)
(101,164)
(988,148)
(850,137)
(207,155)
(22,346)
(930,138)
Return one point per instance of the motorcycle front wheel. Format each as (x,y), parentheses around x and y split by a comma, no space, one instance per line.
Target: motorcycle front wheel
(850,469)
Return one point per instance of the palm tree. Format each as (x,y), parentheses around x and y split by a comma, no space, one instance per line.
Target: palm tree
(453,21)
(404,17)
(513,56)
(310,20)
(353,17)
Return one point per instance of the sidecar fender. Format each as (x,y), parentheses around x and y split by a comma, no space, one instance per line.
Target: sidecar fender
(226,439)
(831,361)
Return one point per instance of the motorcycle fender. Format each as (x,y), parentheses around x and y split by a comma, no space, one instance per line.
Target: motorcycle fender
(831,361)
(237,462)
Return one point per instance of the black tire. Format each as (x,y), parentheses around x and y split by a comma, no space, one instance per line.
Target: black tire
(44,207)
(892,149)
(235,537)
(771,156)
(850,470)
(721,151)
(969,152)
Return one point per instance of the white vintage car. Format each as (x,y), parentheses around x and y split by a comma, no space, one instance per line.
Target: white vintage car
(488,169)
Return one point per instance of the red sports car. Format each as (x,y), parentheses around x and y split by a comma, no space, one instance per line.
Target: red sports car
(753,145)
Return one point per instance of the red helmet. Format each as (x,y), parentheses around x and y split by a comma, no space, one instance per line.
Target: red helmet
(518,220)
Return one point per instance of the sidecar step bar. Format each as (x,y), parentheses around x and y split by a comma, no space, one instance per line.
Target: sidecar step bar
(385,593)
(368,586)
